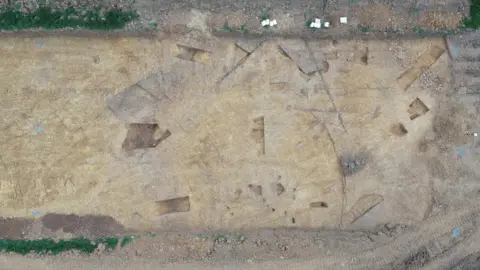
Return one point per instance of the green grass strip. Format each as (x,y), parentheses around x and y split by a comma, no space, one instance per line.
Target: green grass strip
(47,18)
(49,246)
(474,20)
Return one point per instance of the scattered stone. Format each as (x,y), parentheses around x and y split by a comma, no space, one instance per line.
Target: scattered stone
(352,163)
(380,238)
(101,247)
(282,247)
(390,226)
(220,240)
(399,229)
(415,261)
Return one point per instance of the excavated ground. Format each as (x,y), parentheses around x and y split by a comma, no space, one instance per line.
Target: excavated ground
(119,135)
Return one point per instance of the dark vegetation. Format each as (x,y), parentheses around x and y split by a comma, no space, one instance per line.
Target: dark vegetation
(12,18)
(49,246)
(474,20)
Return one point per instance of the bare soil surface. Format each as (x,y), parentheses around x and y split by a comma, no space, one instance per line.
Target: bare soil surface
(272,159)
(197,128)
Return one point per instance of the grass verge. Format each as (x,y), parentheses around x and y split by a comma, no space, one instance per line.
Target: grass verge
(473,21)
(49,246)
(47,18)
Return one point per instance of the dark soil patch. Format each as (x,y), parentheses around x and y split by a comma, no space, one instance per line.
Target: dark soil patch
(14,228)
(83,226)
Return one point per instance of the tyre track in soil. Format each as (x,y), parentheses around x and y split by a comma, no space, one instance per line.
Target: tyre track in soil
(397,250)
(409,244)
(456,254)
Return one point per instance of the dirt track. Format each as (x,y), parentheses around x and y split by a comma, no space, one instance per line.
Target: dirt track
(254,251)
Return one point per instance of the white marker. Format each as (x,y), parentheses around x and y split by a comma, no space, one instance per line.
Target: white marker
(343,20)
(273,23)
(475,134)
(326,24)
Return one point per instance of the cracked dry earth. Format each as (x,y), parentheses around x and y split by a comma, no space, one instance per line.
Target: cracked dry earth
(197,133)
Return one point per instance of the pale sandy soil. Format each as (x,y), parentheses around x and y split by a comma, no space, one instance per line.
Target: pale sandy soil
(62,144)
